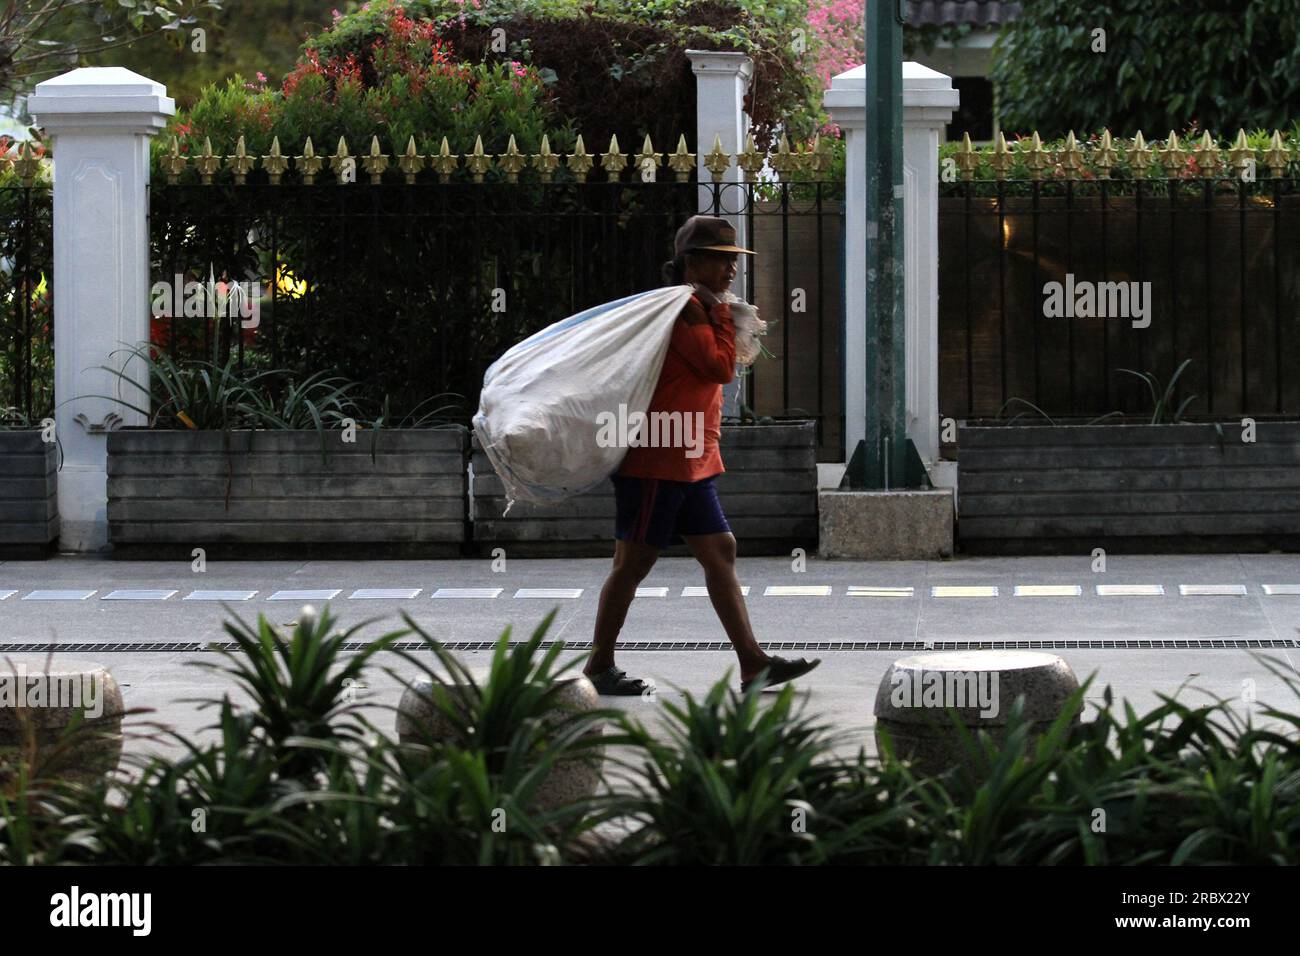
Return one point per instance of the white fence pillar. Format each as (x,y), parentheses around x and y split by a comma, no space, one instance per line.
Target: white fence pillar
(721,81)
(929,101)
(99,120)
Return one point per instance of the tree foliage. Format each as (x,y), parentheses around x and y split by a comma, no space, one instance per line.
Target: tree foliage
(42,38)
(1223,64)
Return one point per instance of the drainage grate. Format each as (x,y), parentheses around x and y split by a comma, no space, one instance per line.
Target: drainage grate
(1153,644)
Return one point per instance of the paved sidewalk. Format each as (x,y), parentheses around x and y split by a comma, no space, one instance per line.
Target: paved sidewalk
(1197,620)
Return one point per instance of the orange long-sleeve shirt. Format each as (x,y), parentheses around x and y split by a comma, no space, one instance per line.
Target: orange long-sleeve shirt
(701,359)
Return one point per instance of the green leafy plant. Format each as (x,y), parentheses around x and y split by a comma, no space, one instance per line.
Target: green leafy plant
(1163,64)
(730,784)
(1162,401)
(301,685)
(730,778)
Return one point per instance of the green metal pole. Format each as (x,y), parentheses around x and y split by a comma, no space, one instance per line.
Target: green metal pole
(881,461)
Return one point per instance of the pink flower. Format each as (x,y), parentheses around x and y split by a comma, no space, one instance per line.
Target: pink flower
(261,77)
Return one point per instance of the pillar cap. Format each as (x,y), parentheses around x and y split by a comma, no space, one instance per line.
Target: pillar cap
(101,96)
(721,61)
(926,92)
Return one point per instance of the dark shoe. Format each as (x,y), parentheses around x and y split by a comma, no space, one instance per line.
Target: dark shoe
(615,683)
(779,670)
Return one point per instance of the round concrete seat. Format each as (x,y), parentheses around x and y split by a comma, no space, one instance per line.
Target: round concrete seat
(980,687)
(41,698)
(574,778)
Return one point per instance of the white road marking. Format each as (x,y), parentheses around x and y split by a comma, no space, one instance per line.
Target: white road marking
(467,592)
(797,590)
(862,590)
(57,595)
(1048,590)
(694,591)
(321,595)
(388,594)
(549,593)
(137,596)
(964,591)
(1207,590)
(1130,590)
(220,596)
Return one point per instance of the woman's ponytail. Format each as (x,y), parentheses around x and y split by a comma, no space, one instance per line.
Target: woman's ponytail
(674,271)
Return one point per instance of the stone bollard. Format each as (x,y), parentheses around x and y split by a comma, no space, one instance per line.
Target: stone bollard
(569,780)
(40,699)
(981,687)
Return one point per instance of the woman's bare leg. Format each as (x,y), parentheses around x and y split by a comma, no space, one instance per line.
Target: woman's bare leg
(632,562)
(717,555)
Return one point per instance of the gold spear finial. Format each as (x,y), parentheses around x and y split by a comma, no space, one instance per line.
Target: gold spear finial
(343,163)
(174,163)
(681,162)
(579,162)
(1106,156)
(717,162)
(207,163)
(1002,157)
(276,163)
(967,159)
(411,162)
(647,161)
(444,161)
(478,162)
(241,162)
(309,164)
(376,162)
(614,161)
(545,161)
(1276,156)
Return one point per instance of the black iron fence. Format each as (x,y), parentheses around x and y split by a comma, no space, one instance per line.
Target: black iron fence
(412,290)
(1051,283)
(27,306)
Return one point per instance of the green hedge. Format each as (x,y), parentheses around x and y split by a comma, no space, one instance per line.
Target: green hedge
(302,778)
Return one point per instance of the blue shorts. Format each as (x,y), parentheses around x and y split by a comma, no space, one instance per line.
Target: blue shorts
(658,512)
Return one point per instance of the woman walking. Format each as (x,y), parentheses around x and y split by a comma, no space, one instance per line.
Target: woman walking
(665,495)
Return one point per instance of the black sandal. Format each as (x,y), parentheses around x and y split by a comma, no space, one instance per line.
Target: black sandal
(779,670)
(615,683)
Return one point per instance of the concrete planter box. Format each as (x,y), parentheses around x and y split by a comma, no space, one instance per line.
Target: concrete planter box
(29,512)
(1064,488)
(268,493)
(769,494)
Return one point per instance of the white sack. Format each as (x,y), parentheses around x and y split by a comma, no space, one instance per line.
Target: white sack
(539,411)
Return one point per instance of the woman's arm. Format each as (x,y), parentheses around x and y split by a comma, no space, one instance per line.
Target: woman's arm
(706,342)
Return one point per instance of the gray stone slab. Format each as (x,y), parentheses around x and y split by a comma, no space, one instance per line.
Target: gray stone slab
(883,525)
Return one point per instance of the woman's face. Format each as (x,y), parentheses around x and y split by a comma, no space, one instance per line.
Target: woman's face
(714,270)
